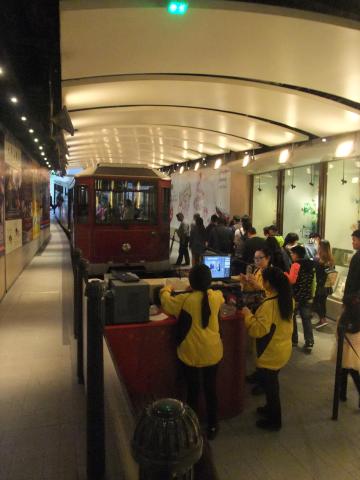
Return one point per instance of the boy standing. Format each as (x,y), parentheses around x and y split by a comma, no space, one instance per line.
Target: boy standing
(301,276)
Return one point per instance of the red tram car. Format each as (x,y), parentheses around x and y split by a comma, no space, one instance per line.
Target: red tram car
(122,215)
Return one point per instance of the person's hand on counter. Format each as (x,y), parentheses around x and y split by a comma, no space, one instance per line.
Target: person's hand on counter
(245,311)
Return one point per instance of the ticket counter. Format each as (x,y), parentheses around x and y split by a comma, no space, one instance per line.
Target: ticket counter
(145,355)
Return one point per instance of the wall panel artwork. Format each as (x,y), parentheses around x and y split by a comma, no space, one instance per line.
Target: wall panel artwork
(13,181)
(44,197)
(2,194)
(206,192)
(26,201)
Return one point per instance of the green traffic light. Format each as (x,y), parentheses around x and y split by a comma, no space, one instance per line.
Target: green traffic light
(177,8)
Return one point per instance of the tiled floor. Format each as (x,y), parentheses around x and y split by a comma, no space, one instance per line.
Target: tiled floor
(310,444)
(42,428)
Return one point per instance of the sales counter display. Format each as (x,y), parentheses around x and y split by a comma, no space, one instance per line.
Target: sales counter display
(145,355)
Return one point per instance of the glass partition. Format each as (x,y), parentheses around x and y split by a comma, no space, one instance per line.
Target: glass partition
(301,200)
(131,201)
(342,202)
(264,200)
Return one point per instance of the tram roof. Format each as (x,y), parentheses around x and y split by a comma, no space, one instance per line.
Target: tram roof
(142,86)
(111,170)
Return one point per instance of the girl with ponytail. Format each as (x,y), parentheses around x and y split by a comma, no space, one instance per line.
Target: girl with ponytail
(271,326)
(200,347)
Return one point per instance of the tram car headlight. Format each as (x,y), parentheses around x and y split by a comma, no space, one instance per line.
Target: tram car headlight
(126,247)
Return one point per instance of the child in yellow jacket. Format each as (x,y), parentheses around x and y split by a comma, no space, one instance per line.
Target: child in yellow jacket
(271,325)
(200,348)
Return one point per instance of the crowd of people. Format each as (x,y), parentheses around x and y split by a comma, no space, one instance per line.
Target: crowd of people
(292,277)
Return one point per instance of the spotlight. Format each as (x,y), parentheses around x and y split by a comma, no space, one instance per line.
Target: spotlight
(284,156)
(14,100)
(23,118)
(246,161)
(217,164)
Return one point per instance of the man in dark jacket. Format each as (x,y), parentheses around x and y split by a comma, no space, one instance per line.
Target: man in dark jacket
(222,237)
(213,222)
(352,284)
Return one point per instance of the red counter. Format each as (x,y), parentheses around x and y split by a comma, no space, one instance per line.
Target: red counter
(145,355)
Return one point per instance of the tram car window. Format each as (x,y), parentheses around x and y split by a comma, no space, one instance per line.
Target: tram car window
(125,201)
(81,207)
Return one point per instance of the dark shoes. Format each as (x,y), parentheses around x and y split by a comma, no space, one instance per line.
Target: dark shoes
(266,424)
(307,348)
(212,432)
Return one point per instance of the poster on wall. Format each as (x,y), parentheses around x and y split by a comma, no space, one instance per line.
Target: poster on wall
(44,197)
(26,201)
(205,192)
(13,182)
(2,193)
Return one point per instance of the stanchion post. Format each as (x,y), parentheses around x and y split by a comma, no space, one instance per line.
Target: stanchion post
(95,381)
(83,268)
(76,256)
(337,386)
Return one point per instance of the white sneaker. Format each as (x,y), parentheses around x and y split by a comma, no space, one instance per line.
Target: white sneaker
(320,325)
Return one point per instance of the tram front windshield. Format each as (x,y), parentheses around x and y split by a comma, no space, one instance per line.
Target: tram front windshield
(129,201)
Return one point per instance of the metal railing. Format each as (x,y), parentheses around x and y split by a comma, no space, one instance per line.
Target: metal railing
(90,298)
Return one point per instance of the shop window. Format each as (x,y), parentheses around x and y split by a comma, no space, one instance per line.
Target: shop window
(301,200)
(342,204)
(81,206)
(264,200)
(118,201)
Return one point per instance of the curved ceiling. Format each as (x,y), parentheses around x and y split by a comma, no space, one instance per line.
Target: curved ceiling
(146,87)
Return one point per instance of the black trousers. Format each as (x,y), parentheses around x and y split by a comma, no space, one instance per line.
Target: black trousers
(194,377)
(183,252)
(344,376)
(269,380)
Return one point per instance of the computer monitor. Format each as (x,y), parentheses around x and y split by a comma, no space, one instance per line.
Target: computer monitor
(220,266)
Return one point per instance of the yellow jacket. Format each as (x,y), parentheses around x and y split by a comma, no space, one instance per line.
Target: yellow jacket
(248,287)
(272,334)
(201,347)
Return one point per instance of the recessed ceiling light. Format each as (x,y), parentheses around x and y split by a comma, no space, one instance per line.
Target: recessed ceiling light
(344,149)
(13,100)
(23,118)
(42,153)
(284,156)
(36,140)
(31,130)
(217,164)
(246,161)
(41,147)
(1,71)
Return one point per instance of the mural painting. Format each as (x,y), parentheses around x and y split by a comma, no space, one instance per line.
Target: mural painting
(13,182)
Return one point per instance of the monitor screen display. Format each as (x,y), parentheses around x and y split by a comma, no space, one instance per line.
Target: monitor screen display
(219,265)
